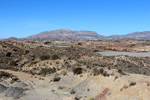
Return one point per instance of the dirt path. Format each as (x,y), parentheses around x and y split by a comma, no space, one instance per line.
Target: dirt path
(21,75)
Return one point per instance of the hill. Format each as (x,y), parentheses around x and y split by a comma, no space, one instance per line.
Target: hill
(65,34)
(135,35)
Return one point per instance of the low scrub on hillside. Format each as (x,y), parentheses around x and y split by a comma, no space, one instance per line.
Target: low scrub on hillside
(44,57)
(47,70)
(54,57)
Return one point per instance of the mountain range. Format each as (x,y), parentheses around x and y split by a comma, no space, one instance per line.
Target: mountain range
(65,34)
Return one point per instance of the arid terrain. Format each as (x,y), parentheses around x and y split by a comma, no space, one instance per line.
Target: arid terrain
(74,70)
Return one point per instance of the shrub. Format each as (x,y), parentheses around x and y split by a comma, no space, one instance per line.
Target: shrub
(4,74)
(72,91)
(56,79)
(8,54)
(27,51)
(121,72)
(132,83)
(47,42)
(95,50)
(76,98)
(60,87)
(45,57)
(15,50)
(46,70)
(124,50)
(13,63)
(79,43)
(77,71)
(98,71)
(91,99)
(14,80)
(129,66)
(54,57)
(105,73)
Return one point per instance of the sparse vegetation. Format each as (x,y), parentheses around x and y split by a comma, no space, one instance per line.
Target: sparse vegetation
(76,98)
(47,70)
(13,63)
(8,54)
(79,43)
(60,87)
(26,51)
(64,63)
(56,79)
(72,91)
(91,99)
(132,83)
(95,50)
(129,66)
(121,72)
(54,57)
(44,57)
(5,74)
(98,71)
(77,71)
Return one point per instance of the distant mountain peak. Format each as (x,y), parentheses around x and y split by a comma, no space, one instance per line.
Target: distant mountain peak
(65,34)
(12,38)
(134,35)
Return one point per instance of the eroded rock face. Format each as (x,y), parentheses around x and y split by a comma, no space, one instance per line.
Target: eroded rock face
(2,88)
(19,85)
(14,92)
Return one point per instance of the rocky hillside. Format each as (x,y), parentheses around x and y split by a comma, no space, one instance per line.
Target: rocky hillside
(135,35)
(64,34)
(41,71)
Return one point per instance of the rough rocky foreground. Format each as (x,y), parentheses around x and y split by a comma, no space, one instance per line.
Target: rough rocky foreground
(76,87)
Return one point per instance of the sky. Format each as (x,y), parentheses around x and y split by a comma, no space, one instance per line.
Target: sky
(21,18)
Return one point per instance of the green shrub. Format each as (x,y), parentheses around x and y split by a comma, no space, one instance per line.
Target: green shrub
(121,72)
(91,99)
(8,54)
(60,87)
(27,51)
(4,74)
(54,57)
(44,57)
(77,71)
(76,98)
(46,70)
(95,50)
(124,50)
(129,66)
(98,71)
(72,91)
(13,63)
(79,43)
(132,83)
(56,79)
(47,42)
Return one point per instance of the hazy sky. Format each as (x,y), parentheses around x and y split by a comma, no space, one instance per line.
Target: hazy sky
(21,18)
